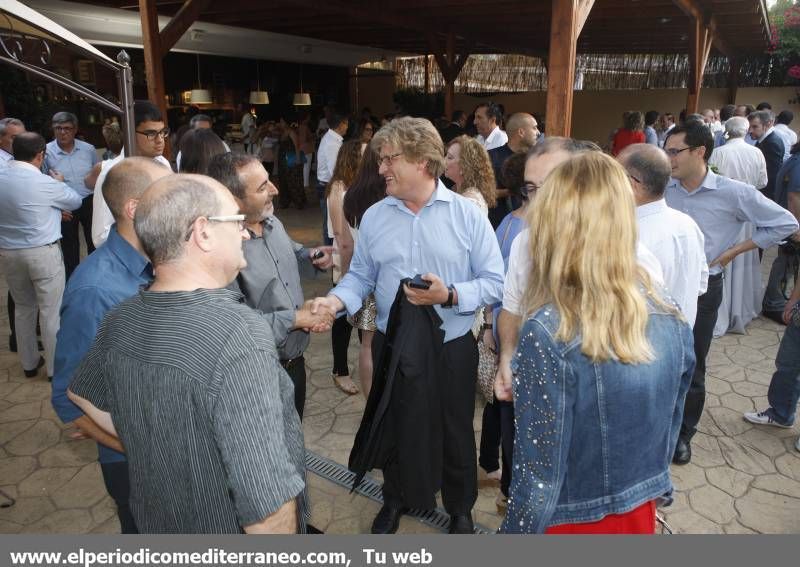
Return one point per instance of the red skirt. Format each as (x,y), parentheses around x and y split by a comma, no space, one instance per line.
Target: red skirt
(641,520)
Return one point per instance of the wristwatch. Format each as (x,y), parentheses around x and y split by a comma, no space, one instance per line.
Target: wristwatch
(487,326)
(450,292)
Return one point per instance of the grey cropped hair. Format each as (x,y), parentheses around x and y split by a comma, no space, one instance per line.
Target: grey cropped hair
(64,117)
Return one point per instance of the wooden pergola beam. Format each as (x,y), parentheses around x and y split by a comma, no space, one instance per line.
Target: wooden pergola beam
(700,40)
(697,12)
(153,59)
(180,22)
(158,43)
(567,21)
(450,64)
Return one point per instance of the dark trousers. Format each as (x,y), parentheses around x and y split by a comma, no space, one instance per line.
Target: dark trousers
(296,369)
(327,239)
(115,477)
(340,340)
(457,375)
(707,308)
(12,340)
(70,242)
(498,431)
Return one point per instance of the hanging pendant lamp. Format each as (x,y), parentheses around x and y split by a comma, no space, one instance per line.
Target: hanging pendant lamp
(301,98)
(200,95)
(258,96)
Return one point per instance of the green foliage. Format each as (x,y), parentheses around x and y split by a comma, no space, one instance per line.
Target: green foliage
(785,39)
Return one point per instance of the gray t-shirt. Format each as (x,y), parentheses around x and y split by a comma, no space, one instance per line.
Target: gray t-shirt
(205,411)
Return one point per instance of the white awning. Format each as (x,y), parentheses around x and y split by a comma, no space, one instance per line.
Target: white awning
(123,28)
(20,19)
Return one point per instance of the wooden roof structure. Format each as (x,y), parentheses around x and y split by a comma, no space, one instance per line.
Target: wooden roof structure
(452,29)
(486,26)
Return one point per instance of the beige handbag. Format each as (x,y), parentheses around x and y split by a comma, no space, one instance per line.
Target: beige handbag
(487,369)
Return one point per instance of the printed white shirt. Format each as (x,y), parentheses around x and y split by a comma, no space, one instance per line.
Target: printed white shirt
(102,219)
(519,268)
(326,155)
(740,161)
(678,244)
(788,136)
(495,139)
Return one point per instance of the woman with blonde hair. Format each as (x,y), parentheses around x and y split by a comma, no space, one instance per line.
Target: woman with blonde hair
(468,165)
(344,172)
(603,364)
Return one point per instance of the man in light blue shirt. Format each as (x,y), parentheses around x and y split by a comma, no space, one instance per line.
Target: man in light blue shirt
(720,206)
(9,128)
(74,160)
(650,134)
(423,228)
(30,227)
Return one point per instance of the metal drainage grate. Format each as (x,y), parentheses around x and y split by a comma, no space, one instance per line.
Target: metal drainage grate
(339,474)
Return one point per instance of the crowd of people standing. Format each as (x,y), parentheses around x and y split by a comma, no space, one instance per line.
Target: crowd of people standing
(593,280)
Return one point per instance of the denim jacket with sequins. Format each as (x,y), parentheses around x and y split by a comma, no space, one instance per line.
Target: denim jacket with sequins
(593,439)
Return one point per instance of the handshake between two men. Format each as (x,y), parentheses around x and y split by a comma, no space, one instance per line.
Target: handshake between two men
(323,309)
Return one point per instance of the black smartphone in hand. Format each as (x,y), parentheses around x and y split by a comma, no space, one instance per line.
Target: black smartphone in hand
(418,283)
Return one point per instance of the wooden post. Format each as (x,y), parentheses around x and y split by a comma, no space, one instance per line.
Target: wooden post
(733,79)
(153,56)
(566,23)
(450,65)
(158,43)
(699,47)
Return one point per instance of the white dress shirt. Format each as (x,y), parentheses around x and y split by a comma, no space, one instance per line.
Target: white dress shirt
(788,136)
(519,268)
(662,136)
(494,140)
(740,161)
(5,158)
(326,155)
(102,219)
(678,244)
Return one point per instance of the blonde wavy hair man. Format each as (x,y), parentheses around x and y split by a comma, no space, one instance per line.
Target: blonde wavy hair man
(584,260)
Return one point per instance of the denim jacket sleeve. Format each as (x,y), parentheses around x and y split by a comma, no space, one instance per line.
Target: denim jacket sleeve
(544,398)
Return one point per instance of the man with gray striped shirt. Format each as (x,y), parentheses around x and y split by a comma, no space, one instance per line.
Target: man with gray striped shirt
(189,380)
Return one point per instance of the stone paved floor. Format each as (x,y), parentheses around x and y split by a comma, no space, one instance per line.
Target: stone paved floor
(743,479)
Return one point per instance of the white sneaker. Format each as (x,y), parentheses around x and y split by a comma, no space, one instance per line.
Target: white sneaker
(763,418)
(797,445)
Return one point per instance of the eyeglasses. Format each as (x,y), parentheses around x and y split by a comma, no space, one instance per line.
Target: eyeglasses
(63,128)
(153,134)
(672,152)
(387,160)
(239,219)
(636,179)
(528,188)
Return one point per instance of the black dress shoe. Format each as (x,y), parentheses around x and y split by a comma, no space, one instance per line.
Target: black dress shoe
(35,372)
(683,453)
(461,524)
(387,520)
(776,316)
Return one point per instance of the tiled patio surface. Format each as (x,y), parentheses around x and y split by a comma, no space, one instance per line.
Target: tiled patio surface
(743,479)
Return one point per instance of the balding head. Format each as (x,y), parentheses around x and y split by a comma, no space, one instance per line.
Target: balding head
(522,129)
(127,181)
(167,212)
(649,168)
